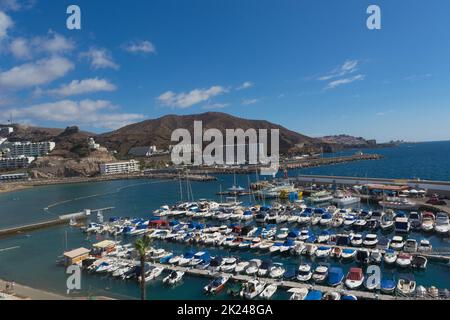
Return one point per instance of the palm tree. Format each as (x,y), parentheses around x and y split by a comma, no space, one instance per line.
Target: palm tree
(142,245)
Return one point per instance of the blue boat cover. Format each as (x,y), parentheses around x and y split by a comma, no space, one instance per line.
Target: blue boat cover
(314,295)
(335,276)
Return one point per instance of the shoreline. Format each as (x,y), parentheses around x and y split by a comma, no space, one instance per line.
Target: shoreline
(22,292)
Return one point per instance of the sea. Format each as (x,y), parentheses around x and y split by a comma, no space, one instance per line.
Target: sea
(30,258)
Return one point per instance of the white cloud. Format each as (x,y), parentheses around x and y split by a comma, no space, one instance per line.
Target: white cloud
(54,43)
(186,100)
(100,59)
(248,102)
(5,24)
(77,87)
(34,74)
(86,112)
(245,85)
(140,47)
(16,5)
(215,106)
(337,83)
(348,67)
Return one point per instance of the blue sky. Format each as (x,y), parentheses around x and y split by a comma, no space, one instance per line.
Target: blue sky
(311,66)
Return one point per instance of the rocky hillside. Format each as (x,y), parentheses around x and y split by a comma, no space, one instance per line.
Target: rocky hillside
(158,131)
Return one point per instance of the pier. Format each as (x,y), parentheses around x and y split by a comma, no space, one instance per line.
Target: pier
(60,220)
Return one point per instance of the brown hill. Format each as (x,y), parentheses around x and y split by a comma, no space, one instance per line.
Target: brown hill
(158,131)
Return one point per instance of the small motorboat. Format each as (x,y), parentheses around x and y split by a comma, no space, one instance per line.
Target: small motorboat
(419,262)
(348,297)
(406,285)
(269,291)
(264,268)
(425,246)
(304,273)
(326,219)
(410,246)
(332,295)
(348,254)
(282,235)
(253,267)
(397,243)
(229,264)
(335,276)
(216,285)
(153,273)
(173,278)
(355,278)
(363,256)
(428,220)
(277,270)
(298,293)
(336,253)
(323,252)
(252,289)
(390,256)
(324,237)
(387,286)
(370,240)
(241,266)
(442,224)
(357,240)
(320,274)
(186,259)
(291,273)
(376,257)
(404,260)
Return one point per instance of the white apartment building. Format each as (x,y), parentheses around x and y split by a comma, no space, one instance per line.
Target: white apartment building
(16,162)
(29,149)
(119,167)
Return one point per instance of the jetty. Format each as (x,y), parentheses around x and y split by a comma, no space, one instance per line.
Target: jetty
(60,220)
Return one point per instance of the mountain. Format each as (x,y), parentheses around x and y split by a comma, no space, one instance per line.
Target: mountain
(158,131)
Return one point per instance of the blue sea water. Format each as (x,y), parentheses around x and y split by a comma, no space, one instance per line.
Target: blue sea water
(33,262)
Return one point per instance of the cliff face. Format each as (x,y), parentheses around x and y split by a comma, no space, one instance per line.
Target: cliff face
(158,131)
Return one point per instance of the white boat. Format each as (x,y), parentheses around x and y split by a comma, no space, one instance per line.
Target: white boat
(229,264)
(173,278)
(320,274)
(332,295)
(428,220)
(370,241)
(253,267)
(153,273)
(323,252)
(283,234)
(320,197)
(269,291)
(277,270)
(410,246)
(390,256)
(425,246)
(406,286)
(252,289)
(344,199)
(397,243)
(398,203)
(298,293)
(442,223)
(304,273)
(404,260)
(241,266)
(355,278)
(357,240)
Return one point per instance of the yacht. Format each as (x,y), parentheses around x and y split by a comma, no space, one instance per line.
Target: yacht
(344,199)
(252,289)
(320,197)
